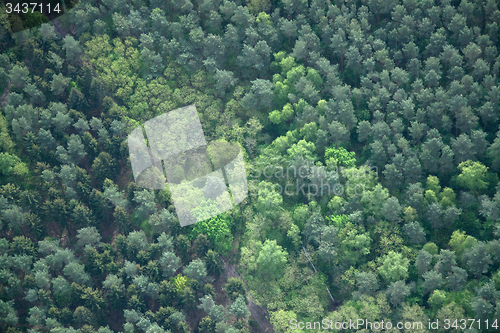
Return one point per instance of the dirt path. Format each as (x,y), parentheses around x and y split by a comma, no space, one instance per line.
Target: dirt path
(58,28)
(259,314)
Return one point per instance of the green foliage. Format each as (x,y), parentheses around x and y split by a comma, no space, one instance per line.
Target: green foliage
(202,245)
(121,219)
(88,237)
(472,176)
(340,157)
(281,321)
(284,115)
(409,88)
(218,230)
(460,242)
(5,140)
(269,201)
(374,200)
(303,149)
(21,245)
(196,270)
(239,308)
(11,165)
(396,292)
(437,298)
(180,282)
(394,267)
(214,263)
(430,248)
(234,288)
(117,72)
(268,260)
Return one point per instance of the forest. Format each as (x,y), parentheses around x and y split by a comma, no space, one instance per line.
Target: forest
(371,141)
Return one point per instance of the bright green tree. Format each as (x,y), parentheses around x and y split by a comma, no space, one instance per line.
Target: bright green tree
(340,157)
(472,176)
(218,230)
(394,267)
(271,260)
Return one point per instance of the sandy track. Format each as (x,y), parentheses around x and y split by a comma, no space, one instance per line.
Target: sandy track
(259,314)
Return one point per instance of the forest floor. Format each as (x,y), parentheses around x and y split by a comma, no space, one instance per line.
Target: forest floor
(259,314)
(57,27)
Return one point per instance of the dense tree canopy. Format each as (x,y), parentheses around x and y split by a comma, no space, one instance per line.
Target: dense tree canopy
(370,136)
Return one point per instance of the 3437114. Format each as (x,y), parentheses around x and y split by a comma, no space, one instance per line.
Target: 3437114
(32,7)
